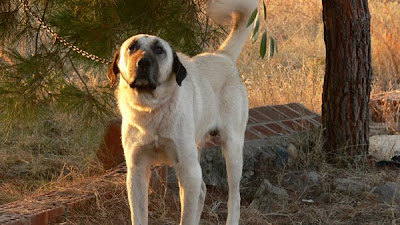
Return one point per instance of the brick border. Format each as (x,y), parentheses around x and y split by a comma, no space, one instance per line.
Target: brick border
(277,120)
(44,208)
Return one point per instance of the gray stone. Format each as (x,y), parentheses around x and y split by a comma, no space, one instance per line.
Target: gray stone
(313,176)
(257,157)
(269,197)
(384,147)
(351,186)
(281,157)
(22,168)
(293,153)
(213,166)
(389,192)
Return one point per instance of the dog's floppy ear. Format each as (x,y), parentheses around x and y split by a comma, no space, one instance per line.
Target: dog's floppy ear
(178,69)
(113,69)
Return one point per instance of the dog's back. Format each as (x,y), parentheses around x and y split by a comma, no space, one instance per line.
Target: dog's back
(214,77)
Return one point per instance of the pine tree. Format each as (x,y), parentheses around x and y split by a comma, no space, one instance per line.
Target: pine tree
(347,83)
(39,76)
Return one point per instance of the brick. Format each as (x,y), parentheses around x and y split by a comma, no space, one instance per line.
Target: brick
(251,135)
(315,121)
(67,199)
(33,213)
(318,119)
(286,111)
(61,197)
(56,212)
(39,218)
(270,113)
(264,131)
(277,128)
(307,124)
(257,117)
(110,152)
(293,125)
(42,209)
(79,202)
(251,120)
(12,219)
(301,109)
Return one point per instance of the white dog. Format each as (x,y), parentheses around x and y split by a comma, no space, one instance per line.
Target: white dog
(170,102)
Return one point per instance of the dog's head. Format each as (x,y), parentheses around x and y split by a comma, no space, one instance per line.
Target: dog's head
(144,62)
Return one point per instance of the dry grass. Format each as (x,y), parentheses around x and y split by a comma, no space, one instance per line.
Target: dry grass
(33,158)
(57,150)
(328,205)
(296,73)
(385,38)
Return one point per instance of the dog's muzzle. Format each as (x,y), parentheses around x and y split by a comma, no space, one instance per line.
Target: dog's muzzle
(145,75)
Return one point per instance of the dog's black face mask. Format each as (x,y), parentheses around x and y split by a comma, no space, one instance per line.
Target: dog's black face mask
(145,71)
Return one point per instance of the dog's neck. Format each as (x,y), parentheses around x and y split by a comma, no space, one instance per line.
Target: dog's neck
(139,105)
(162,102)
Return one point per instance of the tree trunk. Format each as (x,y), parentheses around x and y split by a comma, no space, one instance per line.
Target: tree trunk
(347,84)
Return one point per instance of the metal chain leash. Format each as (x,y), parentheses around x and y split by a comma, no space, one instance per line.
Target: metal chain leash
(61,39)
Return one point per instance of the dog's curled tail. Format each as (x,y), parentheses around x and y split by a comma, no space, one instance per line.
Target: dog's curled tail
(239,11)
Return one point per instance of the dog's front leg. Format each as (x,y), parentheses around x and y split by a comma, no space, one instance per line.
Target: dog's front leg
(137,182)
(188,171)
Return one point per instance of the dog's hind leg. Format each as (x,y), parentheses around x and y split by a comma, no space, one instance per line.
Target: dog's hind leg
(234,119)
(232,148)
(188,171)
(202,197)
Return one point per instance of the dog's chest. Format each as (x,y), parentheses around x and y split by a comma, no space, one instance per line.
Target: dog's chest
(150,139)
(164,152)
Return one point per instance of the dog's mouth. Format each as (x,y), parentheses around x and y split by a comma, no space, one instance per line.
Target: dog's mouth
(145,80)
(143,84)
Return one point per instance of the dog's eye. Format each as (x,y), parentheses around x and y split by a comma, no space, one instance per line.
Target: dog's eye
(159,50)
(132,47)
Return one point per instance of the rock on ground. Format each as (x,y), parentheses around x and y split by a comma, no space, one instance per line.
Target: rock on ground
(351,186)
(269,197)
(384,147)
(258,156)
(389,192)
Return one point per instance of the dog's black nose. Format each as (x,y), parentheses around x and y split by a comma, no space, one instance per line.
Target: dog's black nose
(143,63)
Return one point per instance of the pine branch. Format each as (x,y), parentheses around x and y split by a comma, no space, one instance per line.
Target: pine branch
(40,25)
(79,75)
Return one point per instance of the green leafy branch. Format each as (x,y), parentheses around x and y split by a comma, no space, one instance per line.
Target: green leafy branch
(255,18)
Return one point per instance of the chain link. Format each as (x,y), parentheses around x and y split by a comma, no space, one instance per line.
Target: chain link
(61,39)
